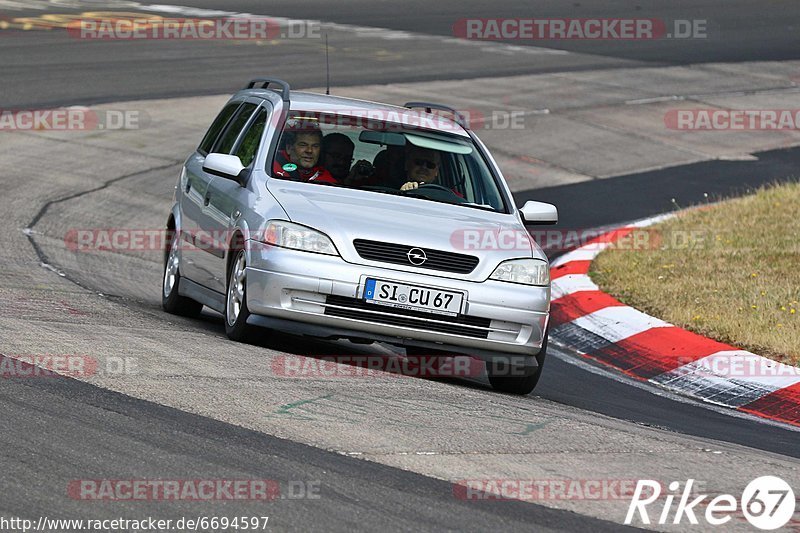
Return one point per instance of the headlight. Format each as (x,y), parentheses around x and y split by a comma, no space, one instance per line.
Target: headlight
(297,237)
(524,271)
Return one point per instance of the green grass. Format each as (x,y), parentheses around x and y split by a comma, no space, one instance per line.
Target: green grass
(729,271)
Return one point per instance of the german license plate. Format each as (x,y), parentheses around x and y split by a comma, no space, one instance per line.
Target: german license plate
(413,297)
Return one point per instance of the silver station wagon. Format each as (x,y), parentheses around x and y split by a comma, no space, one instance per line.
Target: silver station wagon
(347,219)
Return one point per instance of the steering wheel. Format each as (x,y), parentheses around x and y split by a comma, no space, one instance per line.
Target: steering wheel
(435,191)
(435,186)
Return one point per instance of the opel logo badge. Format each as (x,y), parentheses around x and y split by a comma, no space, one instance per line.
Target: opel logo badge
(416,256)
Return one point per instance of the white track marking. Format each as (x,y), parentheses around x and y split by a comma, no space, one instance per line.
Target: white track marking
(571,283)
(617,323)
(566,354)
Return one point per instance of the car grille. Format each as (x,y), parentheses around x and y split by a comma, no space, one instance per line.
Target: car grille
(386,252)
(354,308)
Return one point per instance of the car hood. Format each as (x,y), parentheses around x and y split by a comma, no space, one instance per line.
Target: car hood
(348,214)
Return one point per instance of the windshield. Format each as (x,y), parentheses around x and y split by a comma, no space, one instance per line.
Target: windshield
(385,158)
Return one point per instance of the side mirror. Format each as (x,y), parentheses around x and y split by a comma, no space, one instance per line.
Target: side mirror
(534,213)
(224,165)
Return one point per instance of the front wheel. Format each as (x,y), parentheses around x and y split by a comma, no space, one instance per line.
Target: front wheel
(236,312)
(505,378)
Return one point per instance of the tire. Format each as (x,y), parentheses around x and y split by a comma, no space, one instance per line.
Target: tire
(236,311)
(502,382)
(171,301)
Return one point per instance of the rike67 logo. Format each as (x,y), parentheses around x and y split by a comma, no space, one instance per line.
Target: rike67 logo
(767,503)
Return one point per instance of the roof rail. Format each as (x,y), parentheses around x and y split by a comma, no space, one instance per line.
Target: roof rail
(265,85)
(461,120)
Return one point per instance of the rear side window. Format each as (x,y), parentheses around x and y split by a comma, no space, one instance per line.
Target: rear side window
(228,139)
(249,144)
(215,129)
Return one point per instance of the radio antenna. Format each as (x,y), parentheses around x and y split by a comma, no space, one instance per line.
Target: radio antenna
(327,68)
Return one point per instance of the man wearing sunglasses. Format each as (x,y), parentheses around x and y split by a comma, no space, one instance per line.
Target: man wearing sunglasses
(422,167)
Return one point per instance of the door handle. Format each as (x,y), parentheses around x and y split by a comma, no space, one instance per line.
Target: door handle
(188,186)
(207,200)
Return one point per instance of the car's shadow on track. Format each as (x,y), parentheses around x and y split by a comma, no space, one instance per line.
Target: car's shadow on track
(364,359)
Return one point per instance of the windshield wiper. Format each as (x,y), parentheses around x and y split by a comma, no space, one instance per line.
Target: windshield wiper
(396,192)
(482,207)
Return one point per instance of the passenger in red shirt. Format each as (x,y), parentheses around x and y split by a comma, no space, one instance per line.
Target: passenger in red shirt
(299,158)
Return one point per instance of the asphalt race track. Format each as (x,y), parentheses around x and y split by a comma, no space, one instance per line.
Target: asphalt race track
(89,72)
(347,454)
(360,494)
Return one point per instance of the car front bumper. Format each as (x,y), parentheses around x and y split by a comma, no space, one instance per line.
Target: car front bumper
(321,295)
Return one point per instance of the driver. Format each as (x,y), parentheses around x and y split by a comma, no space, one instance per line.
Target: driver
(422,167)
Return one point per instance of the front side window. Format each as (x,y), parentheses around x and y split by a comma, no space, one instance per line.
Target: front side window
(249,143)
(215,129)
(228,139)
